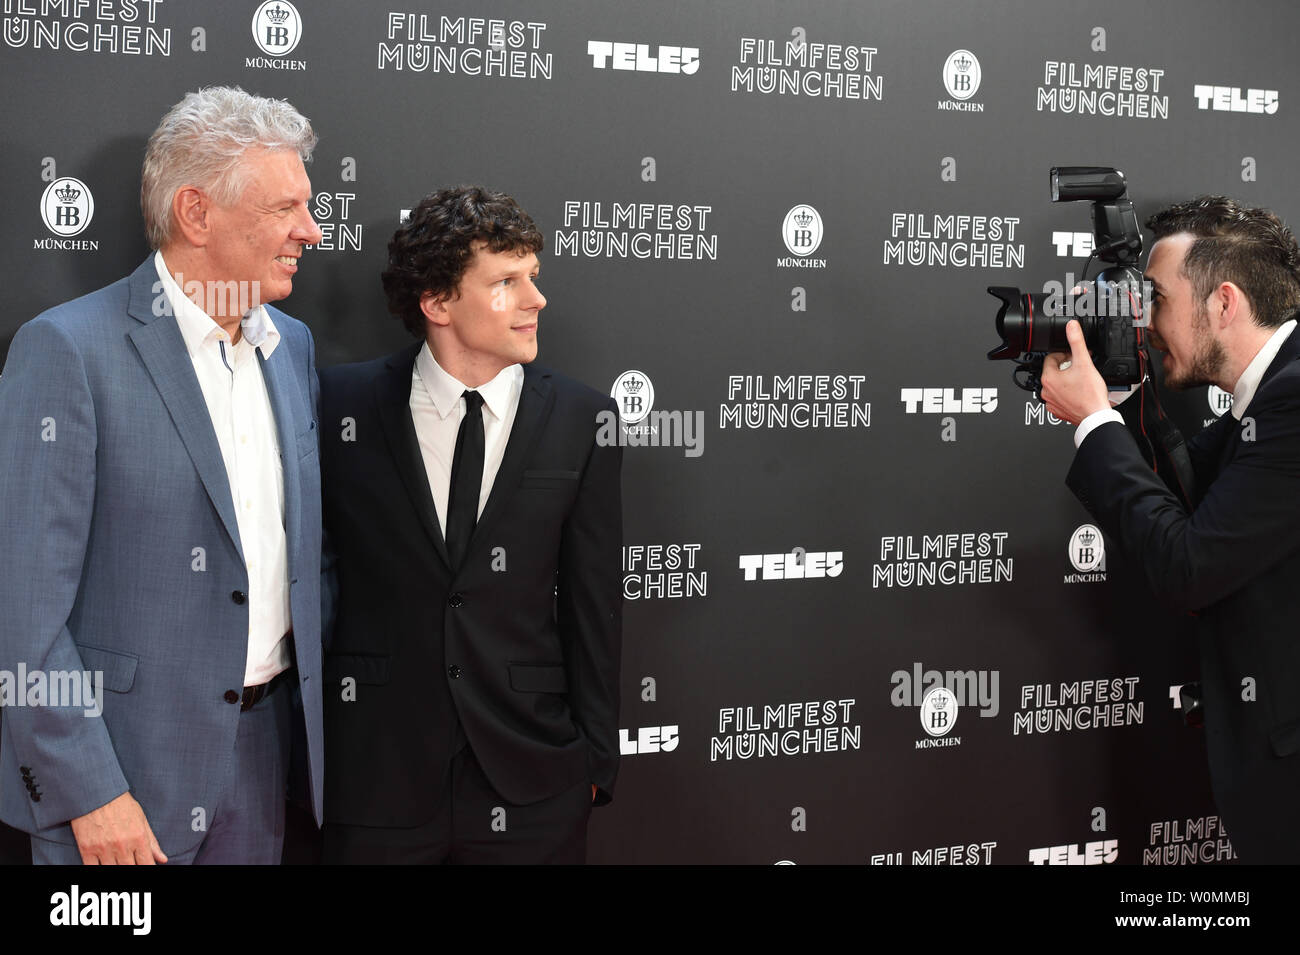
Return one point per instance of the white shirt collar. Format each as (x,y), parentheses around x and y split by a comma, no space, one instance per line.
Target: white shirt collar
(197,327)
(445,391)
(1246,385)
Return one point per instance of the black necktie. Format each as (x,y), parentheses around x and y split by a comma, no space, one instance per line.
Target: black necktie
(466,479)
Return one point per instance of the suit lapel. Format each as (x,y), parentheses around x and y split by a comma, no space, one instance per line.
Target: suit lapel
(162,349)
(279,386)
(535,403)
(393,395)
(1226,442)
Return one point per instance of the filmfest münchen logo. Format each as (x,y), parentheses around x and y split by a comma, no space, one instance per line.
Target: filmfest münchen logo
(802,230)
(961,74)
(67,206)
(277,27)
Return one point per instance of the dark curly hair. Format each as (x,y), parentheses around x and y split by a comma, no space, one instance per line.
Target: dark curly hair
(1252,248)
(430,251)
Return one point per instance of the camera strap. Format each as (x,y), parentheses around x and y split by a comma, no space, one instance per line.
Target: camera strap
(1172,446)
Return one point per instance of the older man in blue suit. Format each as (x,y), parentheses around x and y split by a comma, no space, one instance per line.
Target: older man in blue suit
(160,518)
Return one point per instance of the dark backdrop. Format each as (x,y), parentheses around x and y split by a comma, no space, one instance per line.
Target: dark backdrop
(668,181)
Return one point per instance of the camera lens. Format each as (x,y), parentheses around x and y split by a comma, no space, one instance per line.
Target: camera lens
(1029,323)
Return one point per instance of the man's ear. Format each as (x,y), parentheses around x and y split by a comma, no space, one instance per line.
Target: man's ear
(434,308)
(1228,304)
(192,213)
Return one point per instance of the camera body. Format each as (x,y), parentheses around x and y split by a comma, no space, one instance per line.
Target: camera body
(1110,310)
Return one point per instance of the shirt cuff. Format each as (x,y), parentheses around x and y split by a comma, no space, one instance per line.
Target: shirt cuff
(1088,424)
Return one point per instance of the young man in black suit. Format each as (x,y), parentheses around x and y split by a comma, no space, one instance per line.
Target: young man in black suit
(1225,292)
(472,677)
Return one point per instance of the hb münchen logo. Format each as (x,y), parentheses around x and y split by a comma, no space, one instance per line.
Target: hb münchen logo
(1087,549)
(635,396)
(1220,400)
(67,206)
(939,711)
(802,230)
(961,74)
(277,27)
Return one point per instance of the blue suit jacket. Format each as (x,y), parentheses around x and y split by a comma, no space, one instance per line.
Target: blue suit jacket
(119,553)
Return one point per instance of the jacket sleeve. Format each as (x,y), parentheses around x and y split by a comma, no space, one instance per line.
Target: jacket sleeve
(590,608)
(1202,450)
(1247,519)
(47,495)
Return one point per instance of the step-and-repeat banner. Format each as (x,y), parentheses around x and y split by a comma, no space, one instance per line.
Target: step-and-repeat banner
(865,620)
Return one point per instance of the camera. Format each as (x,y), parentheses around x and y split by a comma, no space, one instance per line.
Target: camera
(1110,310)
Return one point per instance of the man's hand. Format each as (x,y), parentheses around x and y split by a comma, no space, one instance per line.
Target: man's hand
(593,792)
(117,833)
(1072,386)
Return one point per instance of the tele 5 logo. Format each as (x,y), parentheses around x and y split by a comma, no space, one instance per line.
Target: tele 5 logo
(949,400)
(649,739)
(1093,853)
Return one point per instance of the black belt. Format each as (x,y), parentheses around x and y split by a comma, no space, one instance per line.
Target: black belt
(256,694)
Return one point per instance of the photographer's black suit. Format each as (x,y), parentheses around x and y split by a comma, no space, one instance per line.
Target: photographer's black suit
(517,653)
(1235,562)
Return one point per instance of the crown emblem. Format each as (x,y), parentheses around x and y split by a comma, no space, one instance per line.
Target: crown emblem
(68,193)
(1086,538)
(633,385)
(940,701)
(803,219)
(962,63)
(277,15)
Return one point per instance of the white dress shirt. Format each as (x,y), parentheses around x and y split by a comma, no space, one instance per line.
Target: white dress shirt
(1248,383)
(240,408)
(437,409)
(1242,391)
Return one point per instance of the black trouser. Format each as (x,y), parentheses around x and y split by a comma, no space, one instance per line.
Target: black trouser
(473,826)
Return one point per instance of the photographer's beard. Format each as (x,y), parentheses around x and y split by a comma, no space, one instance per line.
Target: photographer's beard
(1207,361)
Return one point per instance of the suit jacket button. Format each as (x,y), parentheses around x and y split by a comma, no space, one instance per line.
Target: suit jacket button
(232,697)
(453,671)
(456,600)
(238,597)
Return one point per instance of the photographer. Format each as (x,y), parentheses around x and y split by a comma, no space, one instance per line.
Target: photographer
(1224,288)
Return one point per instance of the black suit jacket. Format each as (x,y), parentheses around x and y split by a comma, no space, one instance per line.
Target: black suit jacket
(521,646)
(1235,562)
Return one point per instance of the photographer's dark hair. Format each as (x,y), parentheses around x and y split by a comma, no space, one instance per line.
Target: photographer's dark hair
(1251,248)
(431,250)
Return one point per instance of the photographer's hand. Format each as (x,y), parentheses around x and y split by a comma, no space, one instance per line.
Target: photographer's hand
(1072,386)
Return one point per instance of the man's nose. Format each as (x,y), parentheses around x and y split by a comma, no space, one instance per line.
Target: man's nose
(308,232)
